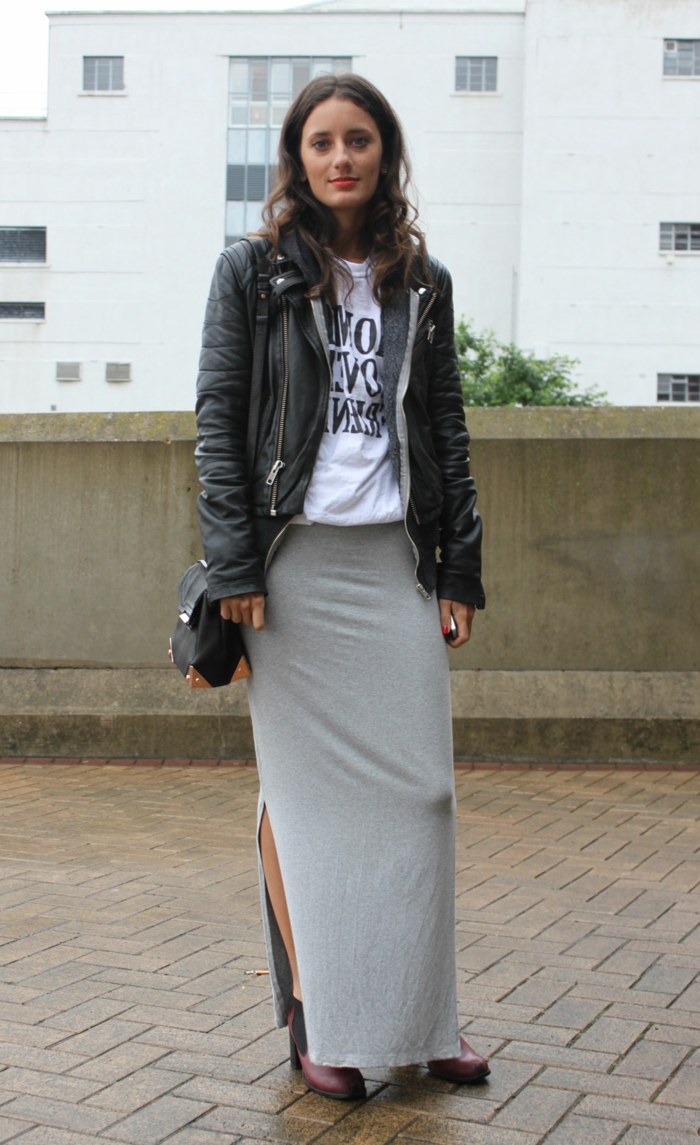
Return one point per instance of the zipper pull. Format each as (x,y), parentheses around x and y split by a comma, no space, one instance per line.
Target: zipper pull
(431,331)
(273,472)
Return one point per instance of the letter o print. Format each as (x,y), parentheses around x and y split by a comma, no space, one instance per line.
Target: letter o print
(370,336)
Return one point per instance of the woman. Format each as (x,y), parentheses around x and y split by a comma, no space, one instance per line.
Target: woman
(358,468)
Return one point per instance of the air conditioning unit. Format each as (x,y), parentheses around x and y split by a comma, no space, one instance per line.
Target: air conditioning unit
(118,372)
(67,371)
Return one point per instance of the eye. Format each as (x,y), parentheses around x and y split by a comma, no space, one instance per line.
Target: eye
(320,144)
(360,141)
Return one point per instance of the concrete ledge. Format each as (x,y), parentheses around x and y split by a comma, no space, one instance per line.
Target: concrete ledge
(612,718)
(505,423)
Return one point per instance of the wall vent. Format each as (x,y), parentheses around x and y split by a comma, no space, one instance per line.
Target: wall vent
(118,372)
(22,244)
(67,371)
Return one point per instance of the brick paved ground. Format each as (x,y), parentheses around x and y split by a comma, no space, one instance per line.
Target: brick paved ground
(130,919)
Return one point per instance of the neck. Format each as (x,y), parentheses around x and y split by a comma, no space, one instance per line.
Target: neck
(350,238)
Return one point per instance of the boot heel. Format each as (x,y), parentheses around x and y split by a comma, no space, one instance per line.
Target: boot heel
(293,1053)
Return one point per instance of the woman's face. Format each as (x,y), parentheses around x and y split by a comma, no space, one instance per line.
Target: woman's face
(341,154)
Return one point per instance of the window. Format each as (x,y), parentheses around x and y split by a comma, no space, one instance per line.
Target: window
(682,58)
(678,388)
(118,372)
(15,310)
(680,236)
(261,89)
(67,371)
(103,73)
(476,73)
(22,244)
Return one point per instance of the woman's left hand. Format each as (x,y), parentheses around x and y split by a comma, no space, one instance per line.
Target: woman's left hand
(463,614)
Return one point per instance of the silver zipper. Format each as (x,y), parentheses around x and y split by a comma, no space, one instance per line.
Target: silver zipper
(402,427)
(273,475)
(431,325)
(273,472)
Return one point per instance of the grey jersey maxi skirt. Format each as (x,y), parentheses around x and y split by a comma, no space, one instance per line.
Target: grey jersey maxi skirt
(350,702)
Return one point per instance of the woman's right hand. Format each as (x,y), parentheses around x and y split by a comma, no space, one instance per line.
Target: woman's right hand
(249,608)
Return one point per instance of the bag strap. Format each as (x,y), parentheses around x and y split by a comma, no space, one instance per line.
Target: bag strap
(259,344)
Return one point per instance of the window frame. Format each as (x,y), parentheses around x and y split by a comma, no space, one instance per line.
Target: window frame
(24,262)
(665,384)
(695,74)
(111,90)
(693,234)
(470,62)
(260,89)
(23,317)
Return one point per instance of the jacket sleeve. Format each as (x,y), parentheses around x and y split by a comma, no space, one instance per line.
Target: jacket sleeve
(223,396)
(459,570)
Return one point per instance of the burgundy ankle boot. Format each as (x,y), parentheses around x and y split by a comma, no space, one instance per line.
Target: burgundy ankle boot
(344,1083)
(467,1067)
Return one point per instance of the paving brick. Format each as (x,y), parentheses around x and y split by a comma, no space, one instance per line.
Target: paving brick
(606,1084)
(43,1135)
(684,1089)
(263,1126)
(571,1012)
(610,1035)
(575,1130)
(651,1059)
(640,1135)
(640,1113)
(43,1084)
(58,1114)
(441,1132)
(217,1091)
(578,943)
(156,1121)
(536,1109)
(191,1136)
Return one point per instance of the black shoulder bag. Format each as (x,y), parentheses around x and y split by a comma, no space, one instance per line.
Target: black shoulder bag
(208,650)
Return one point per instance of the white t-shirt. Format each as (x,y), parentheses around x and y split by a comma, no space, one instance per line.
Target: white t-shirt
(353,482)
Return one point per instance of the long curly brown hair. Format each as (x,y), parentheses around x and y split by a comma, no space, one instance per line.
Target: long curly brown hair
(393,236)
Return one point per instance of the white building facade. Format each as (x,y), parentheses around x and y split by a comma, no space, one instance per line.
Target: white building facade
(554,145)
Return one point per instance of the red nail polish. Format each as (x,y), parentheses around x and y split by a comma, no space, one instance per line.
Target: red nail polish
(445,630)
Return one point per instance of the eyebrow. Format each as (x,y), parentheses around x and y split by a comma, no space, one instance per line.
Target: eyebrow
(348,132)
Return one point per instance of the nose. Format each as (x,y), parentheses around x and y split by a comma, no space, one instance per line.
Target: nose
(342,159)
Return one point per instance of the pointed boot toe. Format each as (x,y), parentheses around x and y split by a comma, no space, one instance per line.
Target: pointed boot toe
(467,1067)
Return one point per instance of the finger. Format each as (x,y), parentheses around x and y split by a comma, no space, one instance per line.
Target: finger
(245,609)
(445,616)
(258,613)
(470,619)
(225,609)
(464,614)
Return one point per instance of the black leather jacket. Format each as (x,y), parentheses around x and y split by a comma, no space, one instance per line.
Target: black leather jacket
(243,516)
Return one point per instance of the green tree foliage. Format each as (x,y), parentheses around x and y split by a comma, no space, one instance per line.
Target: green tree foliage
(494,374)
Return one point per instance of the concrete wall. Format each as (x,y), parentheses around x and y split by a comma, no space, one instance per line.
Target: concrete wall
(587,649)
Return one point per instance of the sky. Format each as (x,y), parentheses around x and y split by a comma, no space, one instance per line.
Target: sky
(24,40)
